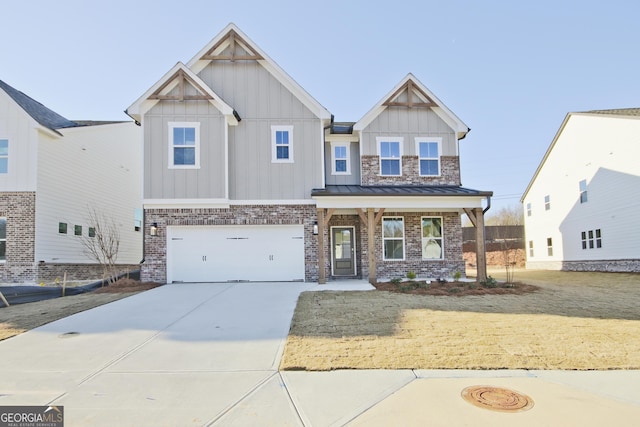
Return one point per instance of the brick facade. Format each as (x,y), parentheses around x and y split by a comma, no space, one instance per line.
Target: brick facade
(445,268)
(19,208)
(154,267)
(449,172)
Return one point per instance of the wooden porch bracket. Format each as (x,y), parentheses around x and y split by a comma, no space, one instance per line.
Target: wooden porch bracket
(476,216)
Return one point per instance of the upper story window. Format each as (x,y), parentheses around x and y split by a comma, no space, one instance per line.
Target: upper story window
(547,203)
(3,239)
(528,209)
(184,145)
(429,155)
(583,191)
(340,159)
(432,238)
(4,155)
(390,152)
(137,219)
(282,144)
(393,238)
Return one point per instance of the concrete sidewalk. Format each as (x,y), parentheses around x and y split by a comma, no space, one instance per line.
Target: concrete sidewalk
(207,354)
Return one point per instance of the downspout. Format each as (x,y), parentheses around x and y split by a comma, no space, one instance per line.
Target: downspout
(488,205)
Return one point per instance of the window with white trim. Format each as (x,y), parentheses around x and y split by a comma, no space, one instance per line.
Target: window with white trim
(282,144)
(4,155)
(549,246)
(340,158)
(592,239)
(428,150)
(531,248)
(547,203)
(432,242)
(393,238)
(390,152)
(528,209)
(77,230)
(62,227)
(583,191)
(3,239)
(184,145)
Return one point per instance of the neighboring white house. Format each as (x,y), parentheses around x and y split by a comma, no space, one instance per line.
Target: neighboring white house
(581,207)
(53,171)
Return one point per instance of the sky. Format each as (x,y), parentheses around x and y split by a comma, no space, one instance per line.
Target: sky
(510,70)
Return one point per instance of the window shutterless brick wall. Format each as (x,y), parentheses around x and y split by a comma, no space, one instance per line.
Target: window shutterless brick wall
(20,209)
(154,267)
(449,172)
(453,260)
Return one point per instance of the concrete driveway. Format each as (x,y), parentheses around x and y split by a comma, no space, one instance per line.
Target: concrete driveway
(207,354)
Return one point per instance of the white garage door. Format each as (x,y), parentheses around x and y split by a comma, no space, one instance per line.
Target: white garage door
(235,253)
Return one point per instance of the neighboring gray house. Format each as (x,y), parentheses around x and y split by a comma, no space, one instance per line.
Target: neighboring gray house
(247,177)
(52,171)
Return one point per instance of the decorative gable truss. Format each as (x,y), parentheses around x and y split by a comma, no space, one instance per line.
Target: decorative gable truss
(181,84)
(233,47)
(409,95)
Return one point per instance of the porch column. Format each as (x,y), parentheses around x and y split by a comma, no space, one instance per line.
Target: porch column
(322,279)
(371,233)
(476,216)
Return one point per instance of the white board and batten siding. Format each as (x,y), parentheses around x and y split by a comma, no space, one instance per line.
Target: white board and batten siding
(90,167)
(603,150)
(262,101)
(21,130)
(235,253)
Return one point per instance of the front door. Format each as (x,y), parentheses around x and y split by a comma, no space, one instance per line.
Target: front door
(343,251)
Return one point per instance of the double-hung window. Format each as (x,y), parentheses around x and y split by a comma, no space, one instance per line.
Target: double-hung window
(547,203)
(432,247)
(3,239)
(428,150)
(282,144)
(340,161)
(390,152)
(4,155)
(184,145)
(393,238)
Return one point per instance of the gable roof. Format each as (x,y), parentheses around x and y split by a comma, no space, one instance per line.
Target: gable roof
(234,45)
(410,92)
(621,112)
(178,76)
(41,114)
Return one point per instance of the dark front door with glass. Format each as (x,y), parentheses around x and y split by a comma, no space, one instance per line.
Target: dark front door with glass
(343,251)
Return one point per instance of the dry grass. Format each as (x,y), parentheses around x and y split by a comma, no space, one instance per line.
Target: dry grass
(575,321)
(20,318)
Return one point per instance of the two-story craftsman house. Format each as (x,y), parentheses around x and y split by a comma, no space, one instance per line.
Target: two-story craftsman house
(248,177)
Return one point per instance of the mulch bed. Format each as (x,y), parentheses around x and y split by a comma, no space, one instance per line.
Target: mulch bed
(442,288)
(127,285)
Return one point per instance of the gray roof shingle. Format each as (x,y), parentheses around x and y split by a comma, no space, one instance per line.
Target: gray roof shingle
(46,117)
(617,112)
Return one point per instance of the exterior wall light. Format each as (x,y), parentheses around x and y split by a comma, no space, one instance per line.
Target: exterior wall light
(315,228)
(153,230)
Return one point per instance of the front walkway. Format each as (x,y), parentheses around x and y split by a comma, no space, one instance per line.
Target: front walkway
(207,354)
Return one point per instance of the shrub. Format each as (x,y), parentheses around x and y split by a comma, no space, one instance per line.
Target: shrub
(457,275)
(490,282)
(396,280)
(454,290)
(411,275)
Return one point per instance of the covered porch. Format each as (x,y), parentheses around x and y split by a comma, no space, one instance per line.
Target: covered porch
(372,231)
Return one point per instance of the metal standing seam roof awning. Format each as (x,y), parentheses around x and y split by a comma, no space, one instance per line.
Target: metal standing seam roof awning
(394,196)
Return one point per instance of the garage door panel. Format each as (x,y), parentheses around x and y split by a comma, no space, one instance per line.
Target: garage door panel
(235,253)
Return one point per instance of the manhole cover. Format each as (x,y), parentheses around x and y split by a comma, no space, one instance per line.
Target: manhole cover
(497,399)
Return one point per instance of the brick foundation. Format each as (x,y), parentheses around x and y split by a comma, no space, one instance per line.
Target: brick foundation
(614,266)
(19,208)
